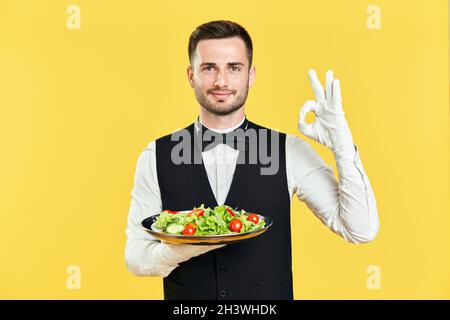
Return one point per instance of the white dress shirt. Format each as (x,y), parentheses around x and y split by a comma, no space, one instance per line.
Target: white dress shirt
(348,208)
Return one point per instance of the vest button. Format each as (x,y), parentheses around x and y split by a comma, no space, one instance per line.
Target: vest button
(223,293)
(222,269)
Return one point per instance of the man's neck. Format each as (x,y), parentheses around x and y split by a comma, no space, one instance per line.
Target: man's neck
(221,123)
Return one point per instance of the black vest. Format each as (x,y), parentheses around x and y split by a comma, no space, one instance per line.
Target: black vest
(257,268)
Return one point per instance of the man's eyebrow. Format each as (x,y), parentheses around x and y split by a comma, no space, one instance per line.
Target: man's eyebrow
(229,63)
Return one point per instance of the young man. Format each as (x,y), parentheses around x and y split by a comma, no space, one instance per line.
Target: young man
(221,72)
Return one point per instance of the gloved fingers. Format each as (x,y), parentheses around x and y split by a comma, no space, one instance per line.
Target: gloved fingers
(305,128)
(337,99)
(176,253)
(196,250)
(309,105)
(192,248)
(329,89)
(316,85)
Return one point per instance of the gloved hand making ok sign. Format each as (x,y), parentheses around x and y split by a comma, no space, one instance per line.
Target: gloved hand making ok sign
(330,127)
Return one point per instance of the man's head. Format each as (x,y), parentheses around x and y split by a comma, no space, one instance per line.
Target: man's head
(220,54)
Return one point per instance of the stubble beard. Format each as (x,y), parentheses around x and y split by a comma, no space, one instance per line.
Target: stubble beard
(221,107)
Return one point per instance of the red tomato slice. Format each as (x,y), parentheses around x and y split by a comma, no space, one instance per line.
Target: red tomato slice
(231,212)
(198,212)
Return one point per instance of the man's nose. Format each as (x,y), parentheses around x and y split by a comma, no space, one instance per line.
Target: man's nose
(221,79)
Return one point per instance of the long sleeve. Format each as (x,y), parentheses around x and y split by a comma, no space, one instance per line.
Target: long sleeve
(143,253)
(349,207)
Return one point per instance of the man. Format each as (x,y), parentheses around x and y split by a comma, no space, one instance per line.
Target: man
(221,73)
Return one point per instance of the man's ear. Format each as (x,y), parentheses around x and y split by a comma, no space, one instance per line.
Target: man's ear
(190,75)
(251,76)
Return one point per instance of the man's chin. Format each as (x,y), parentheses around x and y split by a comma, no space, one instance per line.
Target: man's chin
(220,106)
(221,110)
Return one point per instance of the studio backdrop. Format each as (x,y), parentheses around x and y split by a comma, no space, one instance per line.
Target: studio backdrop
(86,85)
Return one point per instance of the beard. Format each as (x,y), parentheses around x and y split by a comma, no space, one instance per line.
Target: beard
(218,106)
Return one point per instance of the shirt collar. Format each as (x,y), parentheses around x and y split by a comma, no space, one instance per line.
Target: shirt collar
(199,124)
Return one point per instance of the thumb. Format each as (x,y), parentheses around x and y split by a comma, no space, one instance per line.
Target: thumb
(303,127)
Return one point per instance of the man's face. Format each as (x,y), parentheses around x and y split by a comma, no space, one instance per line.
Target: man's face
(220,74)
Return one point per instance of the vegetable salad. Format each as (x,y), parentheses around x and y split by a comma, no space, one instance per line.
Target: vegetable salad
(208,221)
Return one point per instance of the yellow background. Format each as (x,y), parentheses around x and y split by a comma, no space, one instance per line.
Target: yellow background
(78,107)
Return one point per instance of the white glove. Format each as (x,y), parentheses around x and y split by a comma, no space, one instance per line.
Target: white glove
(173,254)
(330,127)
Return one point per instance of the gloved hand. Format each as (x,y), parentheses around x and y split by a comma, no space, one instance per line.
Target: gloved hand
(330,127)
(174,254)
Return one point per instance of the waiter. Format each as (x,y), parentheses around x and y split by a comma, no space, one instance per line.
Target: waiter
(221,72)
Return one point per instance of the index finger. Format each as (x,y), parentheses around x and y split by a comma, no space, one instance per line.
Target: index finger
(316,85)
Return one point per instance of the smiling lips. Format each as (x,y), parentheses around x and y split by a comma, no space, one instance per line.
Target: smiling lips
(221,94)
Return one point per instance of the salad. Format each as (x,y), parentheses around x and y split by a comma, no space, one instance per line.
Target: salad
(208,221)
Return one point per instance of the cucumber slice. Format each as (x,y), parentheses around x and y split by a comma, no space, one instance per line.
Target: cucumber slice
(175,228)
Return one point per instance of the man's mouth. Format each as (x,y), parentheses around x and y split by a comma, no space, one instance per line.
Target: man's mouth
(221,94)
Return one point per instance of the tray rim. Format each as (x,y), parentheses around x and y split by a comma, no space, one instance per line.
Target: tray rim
(220,238)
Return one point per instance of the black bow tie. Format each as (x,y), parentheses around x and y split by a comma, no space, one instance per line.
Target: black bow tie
(235,139)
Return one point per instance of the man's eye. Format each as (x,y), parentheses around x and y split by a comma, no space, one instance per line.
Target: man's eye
(235,68)
(207,68)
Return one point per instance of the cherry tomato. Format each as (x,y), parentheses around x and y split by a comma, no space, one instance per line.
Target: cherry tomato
(230,212)
(171,212)
(236,225)
(253,218)
(189,230)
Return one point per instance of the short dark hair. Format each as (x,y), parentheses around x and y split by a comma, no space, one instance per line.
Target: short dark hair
(220,29)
